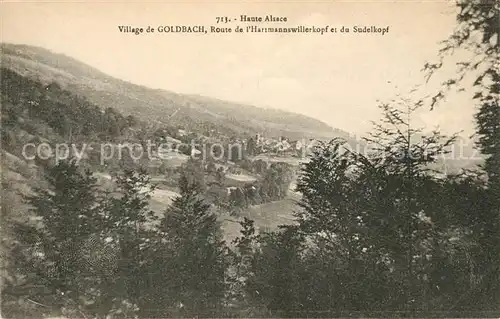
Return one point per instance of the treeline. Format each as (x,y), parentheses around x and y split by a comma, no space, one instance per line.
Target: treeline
(380,235)
(273,186)
(64,112)
(94,254)
(377,235)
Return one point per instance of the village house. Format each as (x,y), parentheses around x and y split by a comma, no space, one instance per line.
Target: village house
(182,132)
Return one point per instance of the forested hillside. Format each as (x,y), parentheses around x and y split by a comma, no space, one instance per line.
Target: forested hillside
(157,105)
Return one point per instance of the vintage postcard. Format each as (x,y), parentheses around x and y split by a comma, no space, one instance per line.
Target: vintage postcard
(250,159)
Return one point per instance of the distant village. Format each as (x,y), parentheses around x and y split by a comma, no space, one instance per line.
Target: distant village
(283,146)
(255,145)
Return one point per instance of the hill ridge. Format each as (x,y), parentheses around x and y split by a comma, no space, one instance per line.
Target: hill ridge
(157,104)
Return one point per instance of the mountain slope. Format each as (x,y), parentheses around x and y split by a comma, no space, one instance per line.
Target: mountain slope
(157,105)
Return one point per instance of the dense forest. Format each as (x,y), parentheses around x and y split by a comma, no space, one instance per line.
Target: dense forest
(376,234)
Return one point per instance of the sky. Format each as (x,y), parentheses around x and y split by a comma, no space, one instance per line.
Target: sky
(337,78)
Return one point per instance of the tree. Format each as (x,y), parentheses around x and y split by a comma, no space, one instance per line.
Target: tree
(276,181)
(404,154)
(478,31)
(130,218)
(242,256)
(251,146)
(197,255)
(216,192)
(112,123)
(372,210)
(132,121)
(193,171)
(53,254)
(237,198)
(259,166)
(270,267)
(252,195)
(220,176)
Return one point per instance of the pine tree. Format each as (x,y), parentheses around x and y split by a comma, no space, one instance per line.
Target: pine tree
(70,213)
(132,221)
(273,273)
(196,265)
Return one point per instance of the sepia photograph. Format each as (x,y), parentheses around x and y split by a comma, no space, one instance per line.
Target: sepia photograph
(250,159)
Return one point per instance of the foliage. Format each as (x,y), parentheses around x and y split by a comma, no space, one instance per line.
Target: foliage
(195,267)
(478,31)
(69,115)
(64,256)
